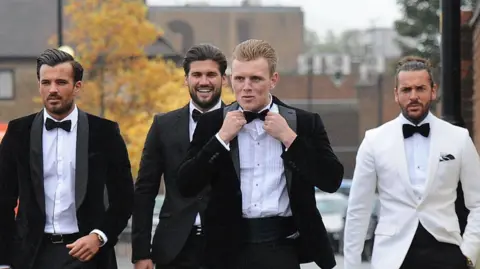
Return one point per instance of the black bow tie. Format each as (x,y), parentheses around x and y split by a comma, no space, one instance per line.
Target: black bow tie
(409,130)
(196,115)
(249,115)
(51,124)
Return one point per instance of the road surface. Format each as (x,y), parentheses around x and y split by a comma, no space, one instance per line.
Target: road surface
(123,258)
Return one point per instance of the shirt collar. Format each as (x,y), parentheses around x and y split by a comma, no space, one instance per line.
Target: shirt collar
(73,116)
(216,106)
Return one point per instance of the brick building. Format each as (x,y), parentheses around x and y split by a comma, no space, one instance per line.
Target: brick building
(348,110)
(226,26)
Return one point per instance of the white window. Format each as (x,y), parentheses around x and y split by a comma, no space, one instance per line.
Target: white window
(6,84)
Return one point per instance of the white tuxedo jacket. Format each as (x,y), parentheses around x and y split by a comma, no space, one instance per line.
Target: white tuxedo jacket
(381,164)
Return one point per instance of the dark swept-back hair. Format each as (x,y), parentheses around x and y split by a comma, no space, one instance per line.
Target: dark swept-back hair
(414,63)
(53,57)
(203,52)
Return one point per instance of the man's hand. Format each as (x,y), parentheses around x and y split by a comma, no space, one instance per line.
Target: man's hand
(276,126)
(85,247)
(233,122)
(144,264)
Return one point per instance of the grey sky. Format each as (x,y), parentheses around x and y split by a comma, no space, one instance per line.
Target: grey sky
(324,15)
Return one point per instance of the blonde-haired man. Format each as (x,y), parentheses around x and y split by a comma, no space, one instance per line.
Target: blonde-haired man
(262,160)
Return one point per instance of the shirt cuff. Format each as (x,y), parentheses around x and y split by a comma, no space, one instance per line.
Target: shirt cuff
(102,235)
(226,145)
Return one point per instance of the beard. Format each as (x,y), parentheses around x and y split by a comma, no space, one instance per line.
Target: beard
(61,109)
(417,119)
(208,103)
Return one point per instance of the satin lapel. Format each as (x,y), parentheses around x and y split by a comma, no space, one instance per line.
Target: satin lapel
(433,155)
(234,153)
(81,172)
(291,117)
(36,159)
(182,129)
(401,160)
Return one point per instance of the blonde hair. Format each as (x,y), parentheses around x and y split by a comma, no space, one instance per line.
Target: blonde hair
(253,49)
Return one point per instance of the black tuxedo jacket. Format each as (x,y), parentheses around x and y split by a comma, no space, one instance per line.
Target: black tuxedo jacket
(165,148)
(309,162)
(102,160)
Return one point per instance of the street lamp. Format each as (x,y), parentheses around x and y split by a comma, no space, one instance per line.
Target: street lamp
(68,50)
(60,22)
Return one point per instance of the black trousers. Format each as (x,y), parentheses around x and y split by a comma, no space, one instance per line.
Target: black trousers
(427,253)
(278,254)
(55,256)
(190,257)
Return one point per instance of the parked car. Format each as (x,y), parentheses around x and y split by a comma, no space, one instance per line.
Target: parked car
(332,207)
(345,187)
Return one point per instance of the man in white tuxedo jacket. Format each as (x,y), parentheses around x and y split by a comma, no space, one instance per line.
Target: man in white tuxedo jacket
(415,162)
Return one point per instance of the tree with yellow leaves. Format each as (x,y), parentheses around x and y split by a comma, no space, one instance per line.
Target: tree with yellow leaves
(122,83)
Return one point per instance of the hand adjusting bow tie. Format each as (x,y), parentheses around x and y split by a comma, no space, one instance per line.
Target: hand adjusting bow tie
(196,115)
(249,115)
(51,124)
(409,130)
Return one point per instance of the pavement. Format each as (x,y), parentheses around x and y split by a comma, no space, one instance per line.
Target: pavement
(123,259)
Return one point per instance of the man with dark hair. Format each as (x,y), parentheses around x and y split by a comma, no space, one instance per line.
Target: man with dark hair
(178,242)
(57,162)
(415,162)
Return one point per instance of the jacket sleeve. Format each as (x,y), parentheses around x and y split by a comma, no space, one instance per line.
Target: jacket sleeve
(119,184)
(204,158)
(360,205)
(469,177)
(311,156)
(8,195)
(146,189)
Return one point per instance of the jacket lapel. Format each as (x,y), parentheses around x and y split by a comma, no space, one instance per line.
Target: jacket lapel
(433,156)
(81,172)
(401,159)
(182,127)
(36,159)
(234,153)
(291,117)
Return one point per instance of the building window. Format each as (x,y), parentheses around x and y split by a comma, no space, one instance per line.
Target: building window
(6,85)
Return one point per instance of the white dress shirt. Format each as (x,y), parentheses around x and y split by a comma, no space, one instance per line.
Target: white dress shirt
(417,149)
(59,165)
(192,126)
(262,174)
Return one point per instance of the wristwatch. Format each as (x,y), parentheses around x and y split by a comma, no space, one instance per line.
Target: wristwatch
(100,239)
(470,263)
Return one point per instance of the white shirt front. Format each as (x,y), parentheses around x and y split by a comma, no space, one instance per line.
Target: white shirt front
(417,149)
(59,164)
(192,125)
(262,175)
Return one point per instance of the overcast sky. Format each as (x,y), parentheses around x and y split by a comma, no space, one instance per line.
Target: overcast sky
(324,15)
